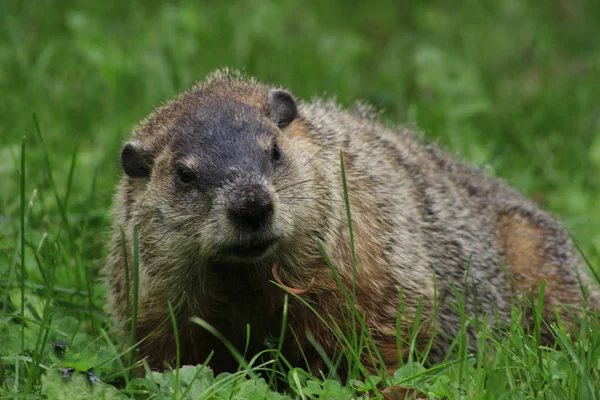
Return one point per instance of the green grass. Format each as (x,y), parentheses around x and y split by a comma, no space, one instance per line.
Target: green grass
(510,84)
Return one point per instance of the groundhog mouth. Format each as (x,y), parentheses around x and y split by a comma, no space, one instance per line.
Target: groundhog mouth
(250,251)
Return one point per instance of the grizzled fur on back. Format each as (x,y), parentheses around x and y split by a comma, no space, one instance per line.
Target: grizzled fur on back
(235,180)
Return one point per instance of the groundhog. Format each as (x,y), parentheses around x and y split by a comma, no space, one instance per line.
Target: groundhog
(237,193)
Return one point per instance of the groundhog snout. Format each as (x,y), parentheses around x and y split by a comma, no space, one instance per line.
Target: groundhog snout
(251,209)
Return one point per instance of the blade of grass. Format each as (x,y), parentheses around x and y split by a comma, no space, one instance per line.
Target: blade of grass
(22,245)
(281,337)
(234,352)
(177,351)
(136,288)
(537,323)
(71,173)
(50,175)
(353,329)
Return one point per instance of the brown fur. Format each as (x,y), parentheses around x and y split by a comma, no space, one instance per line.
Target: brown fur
(530,263)
(419,219)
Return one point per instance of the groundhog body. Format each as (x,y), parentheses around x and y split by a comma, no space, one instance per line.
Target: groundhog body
(235,182)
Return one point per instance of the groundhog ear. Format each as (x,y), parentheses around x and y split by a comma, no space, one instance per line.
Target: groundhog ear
(282,107)
(136,160)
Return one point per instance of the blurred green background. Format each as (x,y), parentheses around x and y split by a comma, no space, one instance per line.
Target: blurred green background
(508,83)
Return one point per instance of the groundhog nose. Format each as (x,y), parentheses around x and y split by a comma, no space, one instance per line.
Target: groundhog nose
(252,212)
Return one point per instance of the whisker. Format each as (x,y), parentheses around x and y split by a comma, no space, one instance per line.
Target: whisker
(309,198)
(294,184)
(290,168)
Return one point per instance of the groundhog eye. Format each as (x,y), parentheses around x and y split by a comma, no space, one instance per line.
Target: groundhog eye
(185,175)
(275,153)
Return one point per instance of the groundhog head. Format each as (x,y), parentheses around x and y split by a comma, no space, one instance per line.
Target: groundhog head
(216,183)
